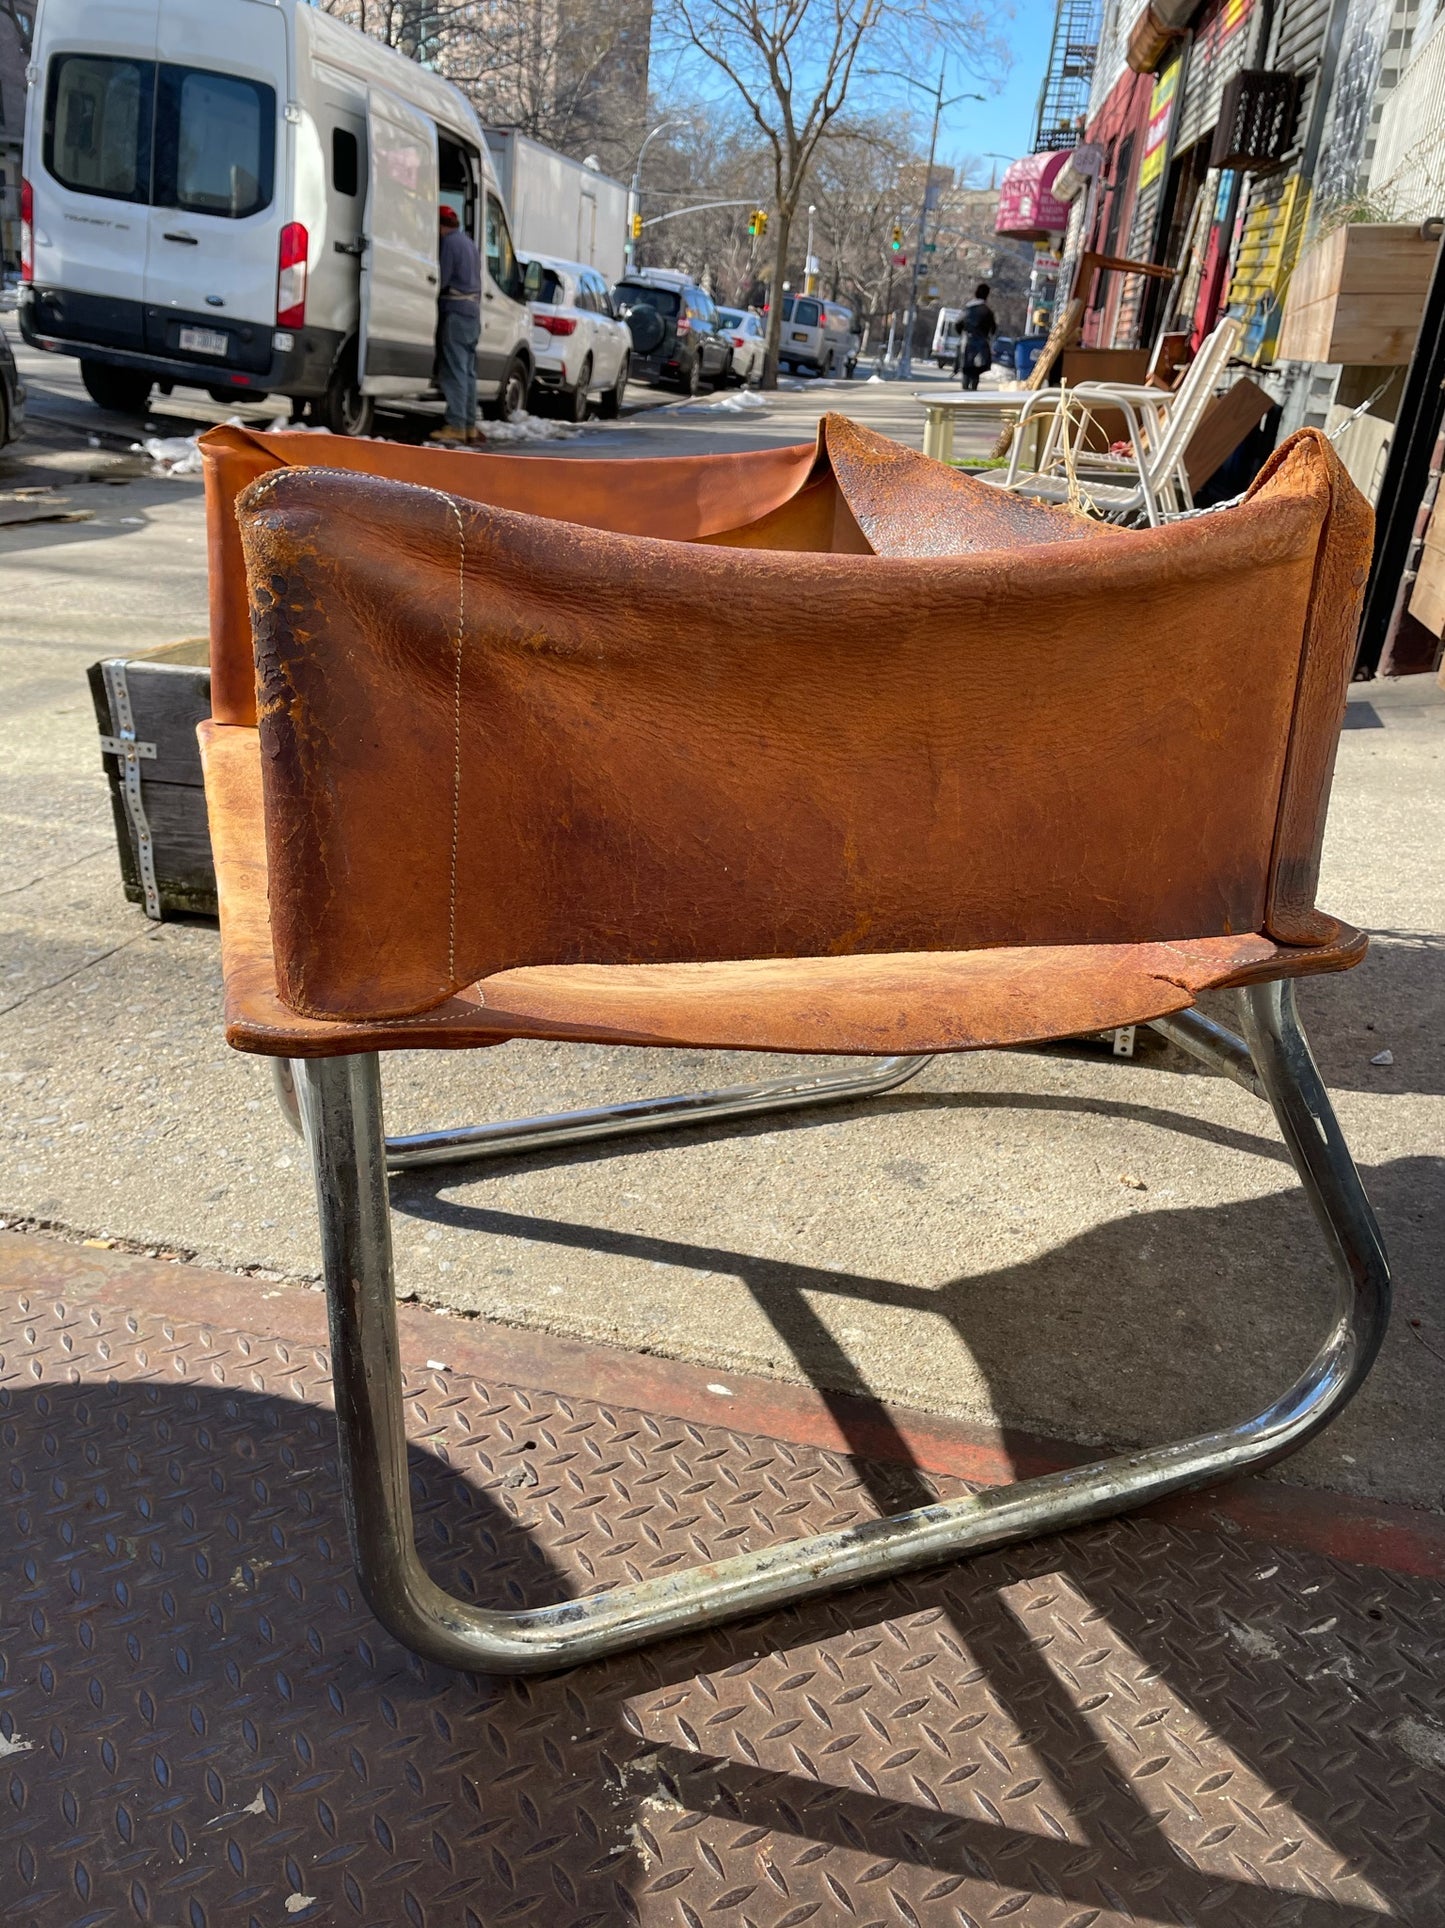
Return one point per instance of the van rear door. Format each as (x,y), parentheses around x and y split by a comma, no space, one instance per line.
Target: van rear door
(219,169)
(399,273)
(91,176)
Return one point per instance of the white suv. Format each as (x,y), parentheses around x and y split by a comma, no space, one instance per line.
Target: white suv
(579,346)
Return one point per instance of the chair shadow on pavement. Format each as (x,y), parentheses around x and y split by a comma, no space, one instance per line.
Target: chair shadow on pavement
(203,1721)
(1210,1311)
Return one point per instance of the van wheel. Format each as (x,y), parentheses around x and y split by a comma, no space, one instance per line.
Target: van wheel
(610,406)
(343,409)
(511,397)
(120,389)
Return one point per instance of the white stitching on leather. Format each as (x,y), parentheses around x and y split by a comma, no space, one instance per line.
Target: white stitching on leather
(451,503)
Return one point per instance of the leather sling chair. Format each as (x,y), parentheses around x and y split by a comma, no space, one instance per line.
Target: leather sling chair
(927,769)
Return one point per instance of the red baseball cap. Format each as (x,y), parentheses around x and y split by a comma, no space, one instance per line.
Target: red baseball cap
(448,216)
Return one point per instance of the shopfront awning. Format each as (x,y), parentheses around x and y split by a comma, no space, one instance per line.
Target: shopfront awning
(1028,209)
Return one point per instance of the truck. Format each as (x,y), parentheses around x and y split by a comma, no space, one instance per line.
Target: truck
(243,196)
(568,210)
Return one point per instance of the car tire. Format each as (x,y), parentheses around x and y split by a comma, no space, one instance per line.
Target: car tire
(343,409)
(610,406)
(510,399)
(574,400)
(726,378)
(123,390)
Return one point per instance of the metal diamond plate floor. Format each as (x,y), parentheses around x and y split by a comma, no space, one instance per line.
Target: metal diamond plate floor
(200,1725)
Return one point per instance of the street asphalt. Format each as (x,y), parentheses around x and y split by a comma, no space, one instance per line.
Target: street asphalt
(1054,1240)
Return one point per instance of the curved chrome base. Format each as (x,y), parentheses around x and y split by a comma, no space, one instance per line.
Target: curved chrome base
(341,1100)
(519,1135)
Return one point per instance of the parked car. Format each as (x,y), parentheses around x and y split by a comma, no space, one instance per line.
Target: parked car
(817,335)
(677,335)
(1003,354)
(579,347)
(243,199)
(12,395)
(745,331)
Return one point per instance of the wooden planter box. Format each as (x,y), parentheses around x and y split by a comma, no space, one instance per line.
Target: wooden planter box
(1358,296)
(154,700)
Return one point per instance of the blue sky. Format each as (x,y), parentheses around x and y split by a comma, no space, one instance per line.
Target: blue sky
(1001,125)
(1006,122)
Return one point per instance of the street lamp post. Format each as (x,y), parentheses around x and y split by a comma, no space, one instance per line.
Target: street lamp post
(810,273)
(905,360)
(634,194)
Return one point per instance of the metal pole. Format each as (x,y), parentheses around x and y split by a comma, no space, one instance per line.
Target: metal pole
(905,364)
(809,278)
(634,193)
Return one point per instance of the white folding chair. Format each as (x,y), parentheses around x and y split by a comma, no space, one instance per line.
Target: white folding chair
(1152,478)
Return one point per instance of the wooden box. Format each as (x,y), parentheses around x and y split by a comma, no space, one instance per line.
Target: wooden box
(1358,296)
(147,707)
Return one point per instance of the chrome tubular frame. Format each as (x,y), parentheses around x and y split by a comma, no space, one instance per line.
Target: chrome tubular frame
(341,1105)
(519,1135)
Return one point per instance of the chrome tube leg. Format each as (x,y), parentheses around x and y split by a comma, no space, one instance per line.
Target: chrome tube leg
(642,1115)
(283,1083)
(341,1104)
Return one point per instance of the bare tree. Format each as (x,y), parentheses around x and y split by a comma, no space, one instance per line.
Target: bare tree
(794,63)
(572,73)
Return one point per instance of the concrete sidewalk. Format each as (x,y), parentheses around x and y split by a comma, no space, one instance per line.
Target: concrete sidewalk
(1051,1240)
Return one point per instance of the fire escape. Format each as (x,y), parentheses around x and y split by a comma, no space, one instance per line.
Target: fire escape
(1064,97)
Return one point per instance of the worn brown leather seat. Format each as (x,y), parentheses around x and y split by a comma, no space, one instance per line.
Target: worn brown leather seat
(829,749)
(531,779)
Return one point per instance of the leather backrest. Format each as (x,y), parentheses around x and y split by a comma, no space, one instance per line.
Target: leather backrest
(799,498)
(491,740)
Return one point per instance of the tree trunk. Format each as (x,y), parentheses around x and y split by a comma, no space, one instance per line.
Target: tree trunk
(783,220)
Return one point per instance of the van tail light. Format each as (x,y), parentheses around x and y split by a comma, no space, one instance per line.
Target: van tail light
(27,231)
(556,324)
(291,277)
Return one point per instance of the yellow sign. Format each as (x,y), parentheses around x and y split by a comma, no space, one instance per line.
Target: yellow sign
(1156,134)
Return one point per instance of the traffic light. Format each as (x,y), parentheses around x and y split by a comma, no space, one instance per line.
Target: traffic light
(637,227)
(758,223)
(897,237)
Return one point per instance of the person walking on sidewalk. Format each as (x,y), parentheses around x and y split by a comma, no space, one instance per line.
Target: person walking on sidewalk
(459,325)
(976,328)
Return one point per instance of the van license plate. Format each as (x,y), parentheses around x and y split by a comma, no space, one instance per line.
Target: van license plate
(204,341)
(800,334)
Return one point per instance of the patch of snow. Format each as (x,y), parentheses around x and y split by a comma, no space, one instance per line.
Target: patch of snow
(1254,1641)
(530,428)
(297,1904)
(14,1744)
(1422,1740)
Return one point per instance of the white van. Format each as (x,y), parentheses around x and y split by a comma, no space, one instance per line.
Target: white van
(817,334)
(241,196)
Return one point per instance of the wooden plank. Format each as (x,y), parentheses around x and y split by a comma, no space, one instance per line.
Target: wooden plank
(1358,329)
(170,692)
(1427,598)
(167,701)
(1227,420)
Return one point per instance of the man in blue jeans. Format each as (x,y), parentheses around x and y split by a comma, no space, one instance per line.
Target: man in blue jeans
(459,324)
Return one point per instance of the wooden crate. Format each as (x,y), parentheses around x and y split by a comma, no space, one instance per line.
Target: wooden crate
(154,700)
(1358,296)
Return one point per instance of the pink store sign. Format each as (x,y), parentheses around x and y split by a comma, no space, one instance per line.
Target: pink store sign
(1027,205)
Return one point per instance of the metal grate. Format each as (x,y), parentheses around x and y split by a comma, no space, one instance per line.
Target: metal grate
(1256,119)
(202,1727)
